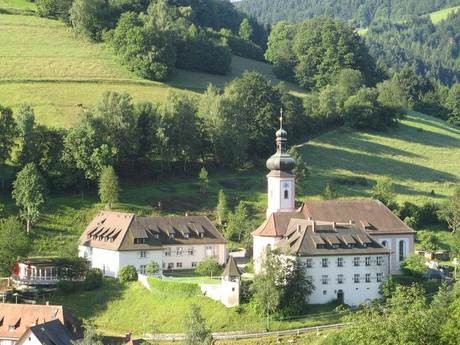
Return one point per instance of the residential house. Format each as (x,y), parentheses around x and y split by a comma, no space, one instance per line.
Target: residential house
(114,239)
(48,333)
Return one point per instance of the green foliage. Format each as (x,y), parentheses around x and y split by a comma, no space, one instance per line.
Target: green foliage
(8,130)
(66,287)
(29,192)
(388,288)
(329,193)
(281,287)
(300,171)
(209,267)
(453,104)
(221,208)
(175,288)
(108,186)
(204,180)
(88,17)
(245,31)
(238,225)
(197,332)
(90,335)
(54,8)
(363,110)
(414,265)
(93,279)
(127,274)
(14,244)
(152,268)
(450,211)
(383,190)
(407,318)
(294,48)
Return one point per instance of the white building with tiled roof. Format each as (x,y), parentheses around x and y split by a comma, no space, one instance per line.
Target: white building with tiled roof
(114,239)
(348,247)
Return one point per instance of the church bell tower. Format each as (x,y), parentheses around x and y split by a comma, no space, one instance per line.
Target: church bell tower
(281,180)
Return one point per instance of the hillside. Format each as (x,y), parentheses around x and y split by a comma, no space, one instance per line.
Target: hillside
(44,64)
(438,16)
(361,13)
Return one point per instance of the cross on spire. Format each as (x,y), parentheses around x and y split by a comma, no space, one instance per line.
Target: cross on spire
(281,118)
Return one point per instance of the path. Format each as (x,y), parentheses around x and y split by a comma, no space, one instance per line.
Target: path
(245,335)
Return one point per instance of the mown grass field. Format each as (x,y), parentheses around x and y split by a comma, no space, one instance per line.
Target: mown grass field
(116,309)
(44,64)
(441,15)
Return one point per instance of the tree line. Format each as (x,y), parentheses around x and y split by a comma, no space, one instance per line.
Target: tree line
(153,37)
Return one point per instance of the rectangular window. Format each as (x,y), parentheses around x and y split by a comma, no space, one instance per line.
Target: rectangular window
(324,292)
(379,260)
(179,251)
(309,263)
(179,264)
(356,262)
(167,252)
(339,262)
(170,265)
(340,279)
(356,278)
(368,261)
(379,277)
(324,279)
(324,262)
(143,254)
(142,269)
(208,251)
(194,264)
(368,277)
(190,251)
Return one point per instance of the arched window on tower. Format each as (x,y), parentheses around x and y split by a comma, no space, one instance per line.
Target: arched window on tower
(286,194)
(385,244)
(401,250)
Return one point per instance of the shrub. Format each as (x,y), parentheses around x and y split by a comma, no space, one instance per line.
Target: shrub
(175,288)
(428,214)
(414,265)
(93,279)
(54,8)
(246,291)
(67,286)
(128,274)
(208,267)
(412,222)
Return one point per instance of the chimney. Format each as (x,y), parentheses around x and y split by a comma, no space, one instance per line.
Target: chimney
(186,214)
(47,303)
(351,222)
(299,228)
(334,225)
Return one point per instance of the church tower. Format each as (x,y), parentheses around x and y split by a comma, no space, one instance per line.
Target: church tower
(281,180)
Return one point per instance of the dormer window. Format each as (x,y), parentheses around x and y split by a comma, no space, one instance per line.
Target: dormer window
(156,236)
(201,235)
(171,235)
(186,235)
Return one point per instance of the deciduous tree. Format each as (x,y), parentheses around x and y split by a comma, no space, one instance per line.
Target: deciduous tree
(197,332)
(29,192)
(14,244)
(108,186)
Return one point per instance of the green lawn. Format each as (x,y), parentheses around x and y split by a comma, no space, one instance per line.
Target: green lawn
(118,309)
(421,156)
(17,6)
(44,64)
(441,15)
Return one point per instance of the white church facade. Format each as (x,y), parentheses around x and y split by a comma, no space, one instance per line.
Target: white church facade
(348,247)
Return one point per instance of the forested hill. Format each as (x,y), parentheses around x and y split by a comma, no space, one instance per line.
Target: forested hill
(360,12)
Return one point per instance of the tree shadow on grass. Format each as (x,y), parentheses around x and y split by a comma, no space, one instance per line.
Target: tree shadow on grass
(326,158)
(434,123)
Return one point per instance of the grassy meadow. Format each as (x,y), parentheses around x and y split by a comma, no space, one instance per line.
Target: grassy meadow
(44,64)
(439,16)
(116,309)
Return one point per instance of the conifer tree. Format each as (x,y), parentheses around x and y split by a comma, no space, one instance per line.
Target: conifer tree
(108,186)
(197,331)
(221,209)
(329,193)
(204,180)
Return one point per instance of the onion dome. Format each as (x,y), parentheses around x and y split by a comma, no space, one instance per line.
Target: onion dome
(281,160)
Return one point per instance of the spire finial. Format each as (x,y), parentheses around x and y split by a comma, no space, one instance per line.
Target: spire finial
(281,118)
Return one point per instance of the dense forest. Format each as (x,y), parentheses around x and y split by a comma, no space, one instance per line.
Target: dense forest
(431,50)
(360,13)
